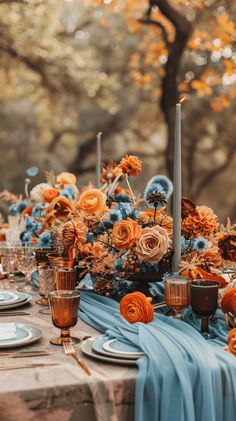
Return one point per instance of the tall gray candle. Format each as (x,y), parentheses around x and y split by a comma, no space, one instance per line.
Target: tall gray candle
(98,159)
(177,194)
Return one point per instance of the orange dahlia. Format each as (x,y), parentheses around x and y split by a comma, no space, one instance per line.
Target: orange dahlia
(130,165)
(203,223)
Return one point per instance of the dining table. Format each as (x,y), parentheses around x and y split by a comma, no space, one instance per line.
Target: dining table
(61,390)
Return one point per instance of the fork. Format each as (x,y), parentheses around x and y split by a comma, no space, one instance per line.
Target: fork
(70,352)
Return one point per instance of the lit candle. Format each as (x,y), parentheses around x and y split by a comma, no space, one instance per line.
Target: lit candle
(98,159)
(177,194)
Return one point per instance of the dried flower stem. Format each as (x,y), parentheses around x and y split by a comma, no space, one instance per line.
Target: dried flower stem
(129,186)
(113,185)
(27,182)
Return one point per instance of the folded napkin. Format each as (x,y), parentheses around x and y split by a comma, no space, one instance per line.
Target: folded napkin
(7,331)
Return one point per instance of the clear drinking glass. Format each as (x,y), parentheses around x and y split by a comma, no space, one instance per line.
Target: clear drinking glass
(46,284)
(177,294)
(27,265)
(64,311)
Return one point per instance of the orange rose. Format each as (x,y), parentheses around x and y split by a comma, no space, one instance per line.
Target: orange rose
(228,302)
(66,179)
(50,194)
(136,307)
(130,165)
(125,233)
(91,201)
(232,341)
(152,244)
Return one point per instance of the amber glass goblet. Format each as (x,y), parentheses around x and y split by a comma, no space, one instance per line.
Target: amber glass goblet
(177,294)
(204,296)
(64,311)
(57,261)
(65,279)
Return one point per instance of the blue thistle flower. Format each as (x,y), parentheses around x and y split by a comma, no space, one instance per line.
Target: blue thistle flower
(21,206)
(118,264)
(45,240)
(155,195)
(68,192)
(90,236)
(125,209)
(30,225)
(12,210)
(123,198)
(164,182)
(114,216)
(201,244)
(26,236)
(36,211)
(185,244)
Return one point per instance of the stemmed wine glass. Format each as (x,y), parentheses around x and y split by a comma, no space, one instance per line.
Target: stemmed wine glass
(204,295)
(64,310)
(177,294)
(27,265)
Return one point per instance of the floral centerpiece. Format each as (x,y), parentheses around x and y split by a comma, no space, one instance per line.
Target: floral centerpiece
(47,204)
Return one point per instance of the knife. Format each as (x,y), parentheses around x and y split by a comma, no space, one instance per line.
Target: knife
(24,354)
(15,367)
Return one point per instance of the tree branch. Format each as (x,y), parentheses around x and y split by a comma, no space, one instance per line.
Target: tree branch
(158,25)
(207,179)
(57,136)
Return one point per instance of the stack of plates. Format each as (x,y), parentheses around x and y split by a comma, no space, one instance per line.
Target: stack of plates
(111,350)
(13,299)
(13,335)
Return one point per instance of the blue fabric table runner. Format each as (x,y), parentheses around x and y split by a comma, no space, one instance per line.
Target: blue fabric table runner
(182,377)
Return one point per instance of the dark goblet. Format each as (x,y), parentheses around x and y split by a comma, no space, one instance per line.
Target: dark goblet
(204,295)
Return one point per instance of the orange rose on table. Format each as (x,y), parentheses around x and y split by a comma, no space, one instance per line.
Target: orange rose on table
(66,179)
(92,201)
(152,244)
(136,307)
(50,194)
(232,341)
(125,233)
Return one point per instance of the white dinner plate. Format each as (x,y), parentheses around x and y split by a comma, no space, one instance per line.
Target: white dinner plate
(23,299)
(25,335)
(8,297)
(121,349)
(87,349)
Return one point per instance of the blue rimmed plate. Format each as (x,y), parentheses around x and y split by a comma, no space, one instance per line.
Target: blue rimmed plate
(8,297)
(25,335)
(87,349)
(116,349)
(22,299)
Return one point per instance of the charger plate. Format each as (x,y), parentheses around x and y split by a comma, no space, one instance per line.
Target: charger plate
(8,297)
(23,299)
(87,349)
(25,334)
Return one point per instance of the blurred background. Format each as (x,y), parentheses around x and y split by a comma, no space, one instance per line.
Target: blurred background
(72,68)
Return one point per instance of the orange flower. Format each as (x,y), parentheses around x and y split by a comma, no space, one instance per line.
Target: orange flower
(109,172)
(96,250)
(27,211)
(66,179)
(74,232)
(194,272)
(130,165)
(59,208)
(228,302)
(136,307)
(92,201)
(125,233)
(50,194)
(204,223)
(232,341)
